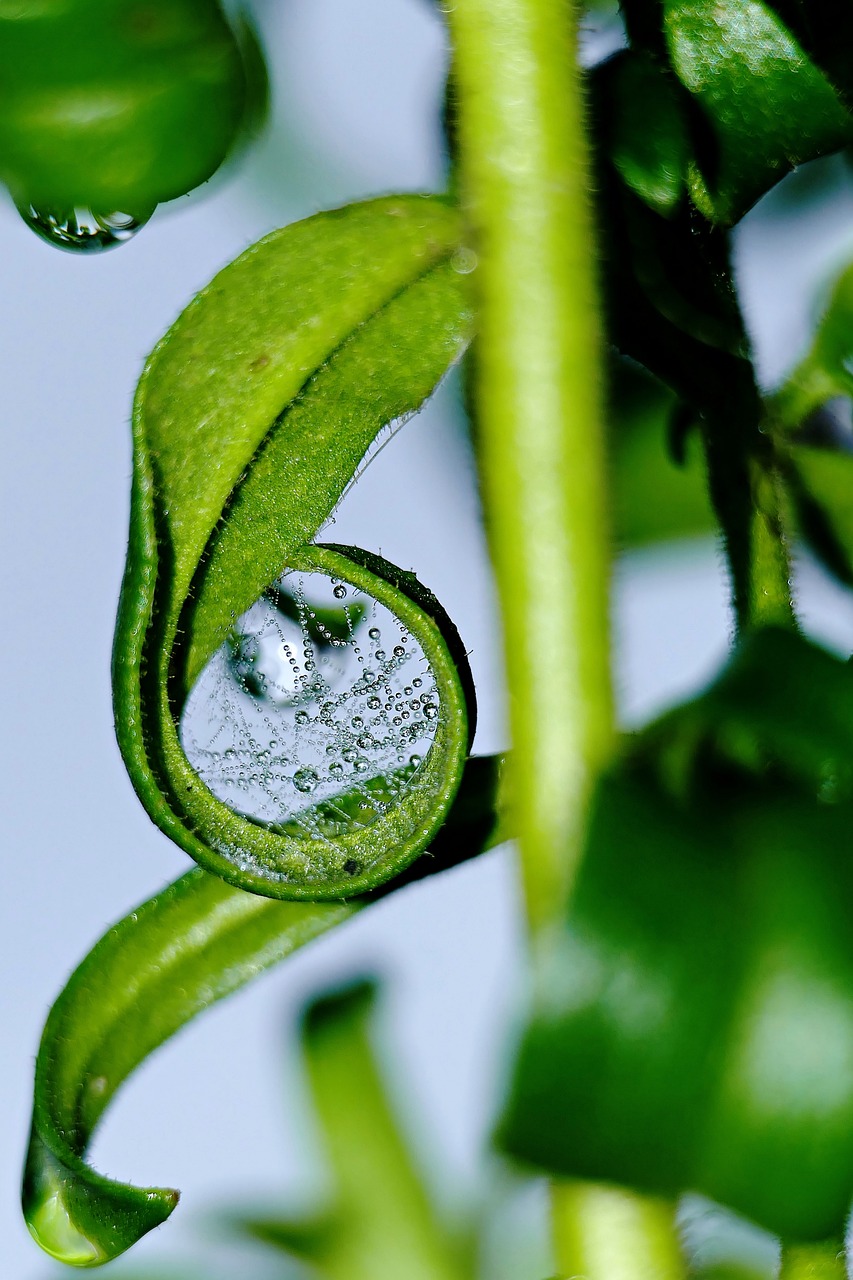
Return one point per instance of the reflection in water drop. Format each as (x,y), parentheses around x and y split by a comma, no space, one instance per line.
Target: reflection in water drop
(82,230)
(303,700)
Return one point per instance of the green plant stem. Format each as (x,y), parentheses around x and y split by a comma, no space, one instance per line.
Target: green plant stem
(748,495)
(602,1233)
(524,181)
(825,1261)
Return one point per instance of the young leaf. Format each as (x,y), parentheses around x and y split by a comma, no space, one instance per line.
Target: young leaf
(191,945)
(380,1223)
(250,420)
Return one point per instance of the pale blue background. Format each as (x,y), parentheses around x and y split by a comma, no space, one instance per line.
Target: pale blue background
(220,1112)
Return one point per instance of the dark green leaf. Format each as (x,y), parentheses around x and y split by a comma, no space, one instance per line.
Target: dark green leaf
(694,1027)
(767,105)
(649,140)
(782,706)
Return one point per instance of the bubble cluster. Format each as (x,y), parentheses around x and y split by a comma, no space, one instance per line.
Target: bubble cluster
(317,714)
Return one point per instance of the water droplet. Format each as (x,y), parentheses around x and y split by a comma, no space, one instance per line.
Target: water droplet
(430,710)
(408,691)
(417,682)
(82,230)
(415,760)
(374,633)
(339,591)
(328,727)
(399,651)
(305,780)
(380,655)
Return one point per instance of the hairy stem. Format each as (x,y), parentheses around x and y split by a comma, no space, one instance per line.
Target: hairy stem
(524,179)
(602,1233)
(824,1261)
(748,495)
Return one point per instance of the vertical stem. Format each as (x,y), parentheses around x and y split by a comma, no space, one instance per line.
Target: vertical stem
(748,495)
(824,1261)
(603,1233)
(524,176)
(524,181)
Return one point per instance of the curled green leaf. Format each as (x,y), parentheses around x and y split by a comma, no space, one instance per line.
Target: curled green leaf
(191,945)
(172,957)
(251,419)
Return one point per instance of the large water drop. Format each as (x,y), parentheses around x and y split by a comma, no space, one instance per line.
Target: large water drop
(292,721)
(82,230)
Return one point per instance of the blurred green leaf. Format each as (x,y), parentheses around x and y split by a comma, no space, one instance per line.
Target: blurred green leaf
(707,958)
(649,142)
(380,1224)
(654,498)
(781,706)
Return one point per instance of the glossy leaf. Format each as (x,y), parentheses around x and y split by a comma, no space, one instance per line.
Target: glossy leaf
(707,959)
(114,106)
(380,1223)
(251,418)
(191,945)
(767,106)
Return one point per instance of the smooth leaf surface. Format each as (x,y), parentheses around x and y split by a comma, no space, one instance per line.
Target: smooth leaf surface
(191,945)
(250,420)
(707,959)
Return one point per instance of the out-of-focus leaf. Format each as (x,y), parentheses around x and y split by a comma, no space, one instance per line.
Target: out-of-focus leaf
(649,142)
(380,1223)
(781,705)
(706,959)
(654,498)
(821,482)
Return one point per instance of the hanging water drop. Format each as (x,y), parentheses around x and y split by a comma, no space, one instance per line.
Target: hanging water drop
(82,230)
(339,591)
